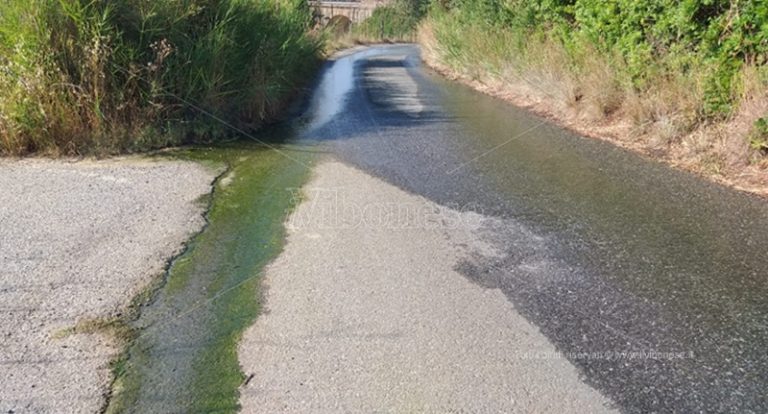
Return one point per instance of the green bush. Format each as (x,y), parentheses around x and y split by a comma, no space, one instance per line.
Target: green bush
(395,22)
(759,137)
(80,76)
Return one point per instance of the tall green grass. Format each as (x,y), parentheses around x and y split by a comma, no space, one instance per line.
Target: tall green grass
(105,76)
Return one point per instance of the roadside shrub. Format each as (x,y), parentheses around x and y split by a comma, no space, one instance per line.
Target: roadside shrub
(99,76)
(759,136)
(395,22)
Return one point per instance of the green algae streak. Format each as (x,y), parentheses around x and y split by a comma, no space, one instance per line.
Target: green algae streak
(184,357)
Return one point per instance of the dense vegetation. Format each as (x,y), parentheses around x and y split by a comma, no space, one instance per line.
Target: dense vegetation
(394,22)
(99,76)
(670,66)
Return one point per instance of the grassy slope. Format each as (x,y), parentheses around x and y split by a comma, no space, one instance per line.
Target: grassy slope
(698,110)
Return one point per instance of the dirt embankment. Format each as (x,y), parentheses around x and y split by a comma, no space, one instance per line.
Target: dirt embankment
(78,240)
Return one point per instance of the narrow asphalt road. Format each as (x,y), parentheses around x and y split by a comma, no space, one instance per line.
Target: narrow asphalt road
(649,281)
(367,313)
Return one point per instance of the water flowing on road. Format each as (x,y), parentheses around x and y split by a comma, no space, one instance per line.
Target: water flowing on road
(649,279)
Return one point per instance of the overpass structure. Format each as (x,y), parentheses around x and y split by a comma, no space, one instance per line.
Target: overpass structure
(354,10)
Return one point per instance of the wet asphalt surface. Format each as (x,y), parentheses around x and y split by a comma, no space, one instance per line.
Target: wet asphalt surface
(650,280)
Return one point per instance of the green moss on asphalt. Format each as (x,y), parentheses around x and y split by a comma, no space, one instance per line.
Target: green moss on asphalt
(185,354)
